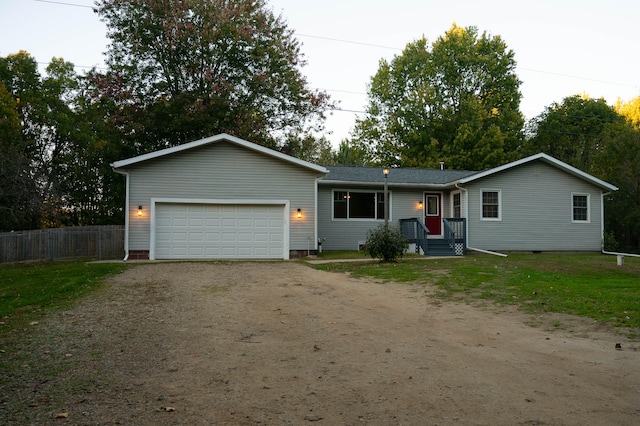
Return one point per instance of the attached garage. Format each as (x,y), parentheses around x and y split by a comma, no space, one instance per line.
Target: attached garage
(219,231)
(219,198)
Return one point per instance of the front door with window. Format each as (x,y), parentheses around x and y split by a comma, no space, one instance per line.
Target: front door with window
(433,213)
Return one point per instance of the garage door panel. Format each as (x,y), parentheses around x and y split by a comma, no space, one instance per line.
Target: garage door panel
(229,222)
(179,222)
(212,222)
(196,222)
(219,231)
(212,237)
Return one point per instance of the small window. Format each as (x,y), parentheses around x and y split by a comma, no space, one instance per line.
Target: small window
(490,204)
(433,205)
(580,207)
(457,205)
(358,205)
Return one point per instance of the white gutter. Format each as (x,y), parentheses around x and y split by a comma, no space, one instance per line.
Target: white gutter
(495,253)
(126,214)
(615,253)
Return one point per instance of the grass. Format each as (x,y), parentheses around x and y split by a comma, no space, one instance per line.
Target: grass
(342,254)
(34,376)
(29,289)
(588,285)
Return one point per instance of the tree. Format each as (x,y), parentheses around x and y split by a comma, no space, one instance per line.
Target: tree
(457,102)
(19,201)
(619,163)
(351,153)
(590,135)
(630,110)
(575,131)
(22,168)
(185,69)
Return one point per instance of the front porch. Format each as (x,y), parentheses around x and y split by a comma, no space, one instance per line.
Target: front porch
(453,242)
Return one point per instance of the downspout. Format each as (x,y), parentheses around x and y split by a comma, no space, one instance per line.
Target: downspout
(614,253)
(126,214)
(466,205)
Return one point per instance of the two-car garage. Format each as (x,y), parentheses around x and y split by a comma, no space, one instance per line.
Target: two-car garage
(219,197)
(184,230)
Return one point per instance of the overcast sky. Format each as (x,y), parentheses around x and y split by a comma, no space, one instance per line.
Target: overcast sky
(562,47)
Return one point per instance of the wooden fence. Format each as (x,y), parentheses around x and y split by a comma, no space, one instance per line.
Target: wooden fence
(98,242)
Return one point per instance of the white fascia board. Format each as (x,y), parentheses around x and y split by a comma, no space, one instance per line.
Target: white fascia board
(213,139)
(547,159)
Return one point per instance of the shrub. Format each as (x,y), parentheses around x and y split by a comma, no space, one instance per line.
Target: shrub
(386,243)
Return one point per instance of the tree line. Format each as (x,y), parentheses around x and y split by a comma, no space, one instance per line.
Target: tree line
(177,71)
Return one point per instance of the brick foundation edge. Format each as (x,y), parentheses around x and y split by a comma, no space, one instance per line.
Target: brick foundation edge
(293,254)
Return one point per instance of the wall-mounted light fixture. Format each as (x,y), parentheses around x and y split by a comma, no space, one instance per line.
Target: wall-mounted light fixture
(420,205)
(299,214)
(139,210)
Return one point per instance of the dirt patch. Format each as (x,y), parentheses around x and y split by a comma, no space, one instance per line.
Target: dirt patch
(281,343)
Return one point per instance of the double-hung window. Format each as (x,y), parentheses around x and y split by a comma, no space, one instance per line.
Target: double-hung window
(457,205)
(358,205)
(580,208)
(491,208)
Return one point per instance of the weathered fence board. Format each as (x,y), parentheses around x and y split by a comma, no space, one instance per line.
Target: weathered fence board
(101,242)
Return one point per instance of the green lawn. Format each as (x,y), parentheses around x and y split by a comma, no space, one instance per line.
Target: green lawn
(26,289)
(590,285)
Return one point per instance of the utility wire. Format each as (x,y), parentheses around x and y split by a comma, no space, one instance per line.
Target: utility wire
(65,4)
(339,40)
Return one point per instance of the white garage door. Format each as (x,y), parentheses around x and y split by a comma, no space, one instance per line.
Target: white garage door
(219,231)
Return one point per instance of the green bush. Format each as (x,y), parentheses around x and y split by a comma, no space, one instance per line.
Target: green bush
(386,243)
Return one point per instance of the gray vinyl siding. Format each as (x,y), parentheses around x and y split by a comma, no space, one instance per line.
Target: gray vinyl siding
(342,234)
(536,206)
(222,171)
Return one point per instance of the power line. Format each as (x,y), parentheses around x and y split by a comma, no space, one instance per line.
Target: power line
(579,78)
(76,66)
(340,40)
(65,4)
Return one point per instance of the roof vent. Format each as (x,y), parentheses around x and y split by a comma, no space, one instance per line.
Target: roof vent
(442,165)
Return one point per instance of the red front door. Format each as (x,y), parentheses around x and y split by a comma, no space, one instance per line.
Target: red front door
(433,213)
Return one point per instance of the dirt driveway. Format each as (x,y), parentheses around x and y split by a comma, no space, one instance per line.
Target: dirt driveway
(280,343)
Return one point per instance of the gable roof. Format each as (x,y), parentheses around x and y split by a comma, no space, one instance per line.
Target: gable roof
(547,159)
(397,176)
(223,137)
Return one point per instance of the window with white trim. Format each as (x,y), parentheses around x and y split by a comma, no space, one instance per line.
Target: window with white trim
(580,208)
(361,205)
(457,205)
(490,204)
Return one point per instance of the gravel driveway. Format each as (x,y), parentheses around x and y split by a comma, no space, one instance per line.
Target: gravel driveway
(279,343)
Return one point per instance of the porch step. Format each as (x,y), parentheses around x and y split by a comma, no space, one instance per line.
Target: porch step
(439,248)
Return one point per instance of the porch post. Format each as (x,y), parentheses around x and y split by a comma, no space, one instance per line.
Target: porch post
(385,171)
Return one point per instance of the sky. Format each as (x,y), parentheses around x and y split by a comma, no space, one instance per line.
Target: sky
(562,47)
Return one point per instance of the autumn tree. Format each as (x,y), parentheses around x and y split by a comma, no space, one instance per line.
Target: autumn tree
(186,69)
(455,101)
(620,164)
(575,131)
(629,110)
